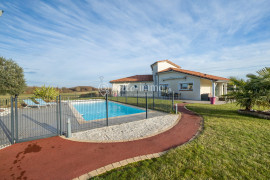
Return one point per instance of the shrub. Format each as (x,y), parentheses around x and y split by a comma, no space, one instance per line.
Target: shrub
(46,93)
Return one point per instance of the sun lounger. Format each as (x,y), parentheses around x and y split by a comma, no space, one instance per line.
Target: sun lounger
(42,102)
(30,103)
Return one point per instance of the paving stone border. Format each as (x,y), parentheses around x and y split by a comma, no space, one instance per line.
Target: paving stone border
(118,164)
(109,167)
(254,114)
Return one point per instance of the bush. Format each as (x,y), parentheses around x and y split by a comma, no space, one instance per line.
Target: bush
(46,93)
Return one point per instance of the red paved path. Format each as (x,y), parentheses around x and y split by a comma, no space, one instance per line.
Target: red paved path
(57,158)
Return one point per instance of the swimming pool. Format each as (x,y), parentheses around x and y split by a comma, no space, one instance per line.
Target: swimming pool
(97,110)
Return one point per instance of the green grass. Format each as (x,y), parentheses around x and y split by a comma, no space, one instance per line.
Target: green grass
(159,104)
(232,146)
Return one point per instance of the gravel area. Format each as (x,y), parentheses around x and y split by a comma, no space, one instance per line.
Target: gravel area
(128,131)
(4,111)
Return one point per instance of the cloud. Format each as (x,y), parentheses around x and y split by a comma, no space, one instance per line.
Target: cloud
(68,43)
(30,72)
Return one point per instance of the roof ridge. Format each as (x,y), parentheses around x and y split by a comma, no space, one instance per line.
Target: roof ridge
(135,78)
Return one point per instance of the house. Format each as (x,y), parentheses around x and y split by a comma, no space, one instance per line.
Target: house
(168,77)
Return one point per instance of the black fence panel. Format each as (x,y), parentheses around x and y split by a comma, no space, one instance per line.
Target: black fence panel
(35,119)
(5,123)
(24,119)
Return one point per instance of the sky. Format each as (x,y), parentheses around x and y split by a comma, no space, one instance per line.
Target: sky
(69,43)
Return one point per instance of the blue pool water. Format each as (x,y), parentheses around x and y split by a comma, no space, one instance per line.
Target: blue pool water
(97,110)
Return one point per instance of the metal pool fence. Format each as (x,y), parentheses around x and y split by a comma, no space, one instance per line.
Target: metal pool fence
(25,119)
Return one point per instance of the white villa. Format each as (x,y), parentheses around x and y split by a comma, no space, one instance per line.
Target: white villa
(168,77)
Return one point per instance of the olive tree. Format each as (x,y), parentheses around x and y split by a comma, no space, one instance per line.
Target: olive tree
(11,77)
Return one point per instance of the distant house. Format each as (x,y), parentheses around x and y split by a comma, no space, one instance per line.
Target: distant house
(168,77)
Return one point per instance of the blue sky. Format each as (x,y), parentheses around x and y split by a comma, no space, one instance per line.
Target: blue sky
(69,43)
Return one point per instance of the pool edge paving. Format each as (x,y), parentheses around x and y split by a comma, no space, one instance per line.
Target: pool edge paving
(57,158)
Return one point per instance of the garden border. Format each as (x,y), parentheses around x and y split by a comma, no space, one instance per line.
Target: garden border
(254,114)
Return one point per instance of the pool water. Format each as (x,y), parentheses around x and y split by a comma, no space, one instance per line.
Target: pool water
(97,110)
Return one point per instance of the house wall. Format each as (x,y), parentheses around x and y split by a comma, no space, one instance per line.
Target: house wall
(155,70)
(159,67)
(164,65)
(200,85)
(131,90)
(182,78)
(206,86)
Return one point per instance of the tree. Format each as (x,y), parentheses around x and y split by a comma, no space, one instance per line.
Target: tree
(253,91)
(261,85)
(11,77)
(46,93)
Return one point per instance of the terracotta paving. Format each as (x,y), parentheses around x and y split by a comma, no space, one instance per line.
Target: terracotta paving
(57,158)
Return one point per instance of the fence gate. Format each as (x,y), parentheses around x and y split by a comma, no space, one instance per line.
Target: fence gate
(34,122)
(5,123)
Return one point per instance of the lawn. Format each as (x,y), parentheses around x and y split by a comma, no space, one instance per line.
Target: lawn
(232,146)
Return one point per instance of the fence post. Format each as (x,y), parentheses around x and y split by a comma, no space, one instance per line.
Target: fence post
(126,97)
(12,120)
(146,106)
(116,95)
(60,115)
(68,128)
(107,113)
(153,99)
(57,115)
(137,98)
(16,119)
(172,99)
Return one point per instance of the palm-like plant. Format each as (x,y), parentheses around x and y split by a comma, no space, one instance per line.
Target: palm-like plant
(261,83)
(241,93)
(254,91)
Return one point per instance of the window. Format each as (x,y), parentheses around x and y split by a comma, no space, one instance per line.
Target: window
(122,87)
(186,86)
(164,88)
(145,87)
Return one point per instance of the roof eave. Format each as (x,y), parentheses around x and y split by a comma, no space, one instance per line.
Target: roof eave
(129,81)
(171,70)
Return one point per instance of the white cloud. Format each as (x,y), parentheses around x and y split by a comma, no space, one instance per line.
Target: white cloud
(69,43)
